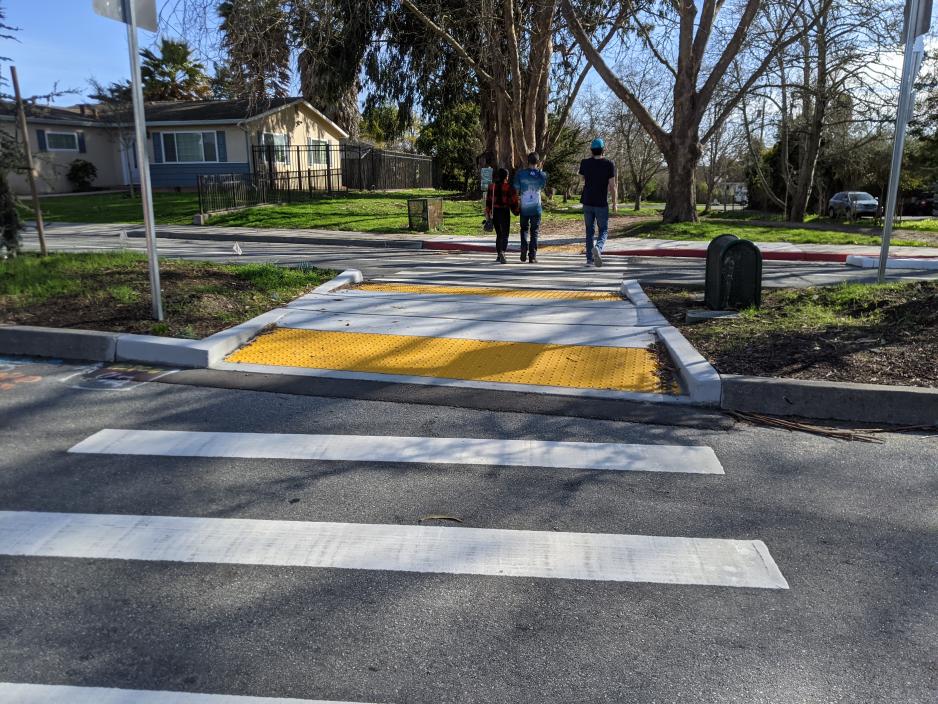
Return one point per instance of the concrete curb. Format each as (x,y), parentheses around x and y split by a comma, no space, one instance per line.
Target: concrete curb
(864,262)
(148,349)
(863,403)
(349,276)
(283,239)
(700,378)
(32,341)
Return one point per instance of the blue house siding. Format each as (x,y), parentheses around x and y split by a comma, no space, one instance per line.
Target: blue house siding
(184,175)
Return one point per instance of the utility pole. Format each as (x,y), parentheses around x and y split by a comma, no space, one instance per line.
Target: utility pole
(917,22)
(30,170)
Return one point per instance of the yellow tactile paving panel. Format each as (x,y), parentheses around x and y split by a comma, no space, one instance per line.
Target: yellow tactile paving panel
(489,291)
(616,368)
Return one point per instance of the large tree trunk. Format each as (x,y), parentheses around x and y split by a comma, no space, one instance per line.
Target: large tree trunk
(681,205)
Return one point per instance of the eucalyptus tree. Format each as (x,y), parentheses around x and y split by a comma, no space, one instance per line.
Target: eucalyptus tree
(696,46)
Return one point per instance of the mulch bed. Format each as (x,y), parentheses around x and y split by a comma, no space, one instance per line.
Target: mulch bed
(899,347)
(197,300)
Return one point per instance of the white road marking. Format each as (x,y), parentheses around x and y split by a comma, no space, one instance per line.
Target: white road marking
(399,548)
(690,459)
(20,693)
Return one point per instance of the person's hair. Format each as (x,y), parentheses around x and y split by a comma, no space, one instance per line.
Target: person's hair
(501,174)
(533,158)
(597,151)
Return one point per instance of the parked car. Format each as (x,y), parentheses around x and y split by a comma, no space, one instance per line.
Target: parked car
(852,204)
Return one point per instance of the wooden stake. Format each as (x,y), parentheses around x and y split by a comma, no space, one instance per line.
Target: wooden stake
(21,114)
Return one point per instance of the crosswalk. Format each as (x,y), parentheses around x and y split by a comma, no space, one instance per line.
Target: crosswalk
(468,551)
(24,693)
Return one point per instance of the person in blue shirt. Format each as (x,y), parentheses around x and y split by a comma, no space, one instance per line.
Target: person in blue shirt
(529,183)
(599,184)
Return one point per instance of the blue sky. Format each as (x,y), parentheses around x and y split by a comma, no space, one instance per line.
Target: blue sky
(64,41)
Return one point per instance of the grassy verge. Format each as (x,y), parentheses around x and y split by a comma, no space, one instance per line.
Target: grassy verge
(708,230)
(169,208)
(379,213)
(929,225)
(111,291)
(749,215)
(880,334)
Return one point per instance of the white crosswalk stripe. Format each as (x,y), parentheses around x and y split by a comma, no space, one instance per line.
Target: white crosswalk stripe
(364,448)
(22,693)
(399,548)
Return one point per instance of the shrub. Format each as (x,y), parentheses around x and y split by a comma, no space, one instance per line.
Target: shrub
(81,173)
(9,220)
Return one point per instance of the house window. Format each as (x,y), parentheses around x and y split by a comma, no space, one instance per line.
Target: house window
(62,141)
(318,152)
(281,144)
(189,147)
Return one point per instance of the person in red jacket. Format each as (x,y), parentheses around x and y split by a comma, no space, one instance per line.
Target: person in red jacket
(501,201)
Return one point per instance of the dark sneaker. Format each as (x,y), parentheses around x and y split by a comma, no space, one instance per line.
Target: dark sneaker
(532,260)
(501,258)
(524,256)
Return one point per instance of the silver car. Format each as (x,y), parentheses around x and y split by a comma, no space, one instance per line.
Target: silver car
(852,204)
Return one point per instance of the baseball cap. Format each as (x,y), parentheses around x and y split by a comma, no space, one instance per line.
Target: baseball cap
(597,143)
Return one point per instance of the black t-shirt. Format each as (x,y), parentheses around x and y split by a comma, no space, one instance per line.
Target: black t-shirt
(596,173)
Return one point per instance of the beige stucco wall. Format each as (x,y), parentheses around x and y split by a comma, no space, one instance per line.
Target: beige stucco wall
(52,166)
(298,121)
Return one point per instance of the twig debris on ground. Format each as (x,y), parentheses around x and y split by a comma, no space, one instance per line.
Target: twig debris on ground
(792,425)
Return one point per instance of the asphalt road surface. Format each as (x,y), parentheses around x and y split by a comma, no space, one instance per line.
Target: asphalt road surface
(553,268)
(852,528)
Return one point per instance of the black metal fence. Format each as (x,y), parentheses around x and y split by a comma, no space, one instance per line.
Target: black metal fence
(295,173)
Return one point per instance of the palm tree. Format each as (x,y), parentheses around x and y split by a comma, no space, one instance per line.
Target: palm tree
(174,74)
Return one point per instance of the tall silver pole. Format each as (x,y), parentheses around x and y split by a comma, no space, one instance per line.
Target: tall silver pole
(898,145)
(143,163)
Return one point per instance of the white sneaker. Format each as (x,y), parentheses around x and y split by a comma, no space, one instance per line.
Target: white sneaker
(597,256)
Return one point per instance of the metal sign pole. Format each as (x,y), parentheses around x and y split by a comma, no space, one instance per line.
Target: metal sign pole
(143,169)
(909,69)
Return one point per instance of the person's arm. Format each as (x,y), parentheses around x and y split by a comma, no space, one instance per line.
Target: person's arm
(614,191)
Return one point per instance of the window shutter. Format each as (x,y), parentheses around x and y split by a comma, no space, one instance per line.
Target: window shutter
(221,145)
(157,148)
(81,143)
(41,139)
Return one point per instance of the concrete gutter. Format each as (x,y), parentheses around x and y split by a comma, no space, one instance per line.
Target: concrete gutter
(863,403)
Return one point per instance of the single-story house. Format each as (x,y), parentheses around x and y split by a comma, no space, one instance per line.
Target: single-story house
(184,139)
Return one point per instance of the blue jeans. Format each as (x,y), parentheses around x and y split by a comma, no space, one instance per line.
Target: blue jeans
(600,216)
(532,223)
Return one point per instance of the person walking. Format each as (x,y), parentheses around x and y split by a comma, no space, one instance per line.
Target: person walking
(599,184)
(501,200)
(529,183)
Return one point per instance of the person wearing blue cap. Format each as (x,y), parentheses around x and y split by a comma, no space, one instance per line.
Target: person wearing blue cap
(599,184)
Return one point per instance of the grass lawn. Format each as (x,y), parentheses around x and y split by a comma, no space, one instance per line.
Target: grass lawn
(746,215)
(374,212)
(169,208)
(870,333)
(704,230)
(110,291)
